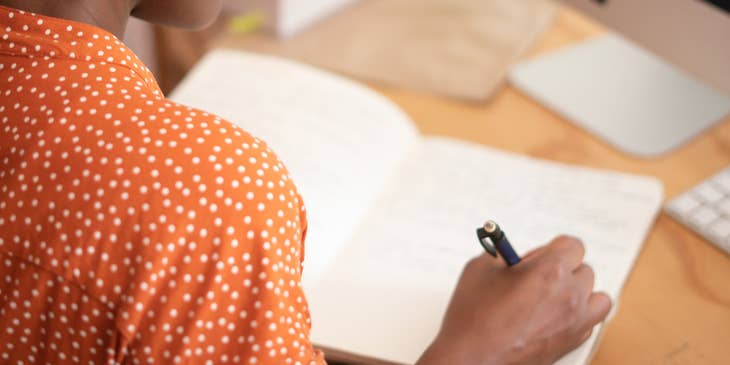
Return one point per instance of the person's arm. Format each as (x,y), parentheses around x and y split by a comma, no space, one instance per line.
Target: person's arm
(531,313)
(220,281)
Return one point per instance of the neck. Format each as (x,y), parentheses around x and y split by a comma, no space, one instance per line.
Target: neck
(111,16)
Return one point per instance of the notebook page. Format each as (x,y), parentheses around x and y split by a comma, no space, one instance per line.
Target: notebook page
(330,133)
(387,292)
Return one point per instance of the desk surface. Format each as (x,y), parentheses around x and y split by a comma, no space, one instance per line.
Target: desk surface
(675,308)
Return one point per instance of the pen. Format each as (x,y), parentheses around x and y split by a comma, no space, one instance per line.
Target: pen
(493,239)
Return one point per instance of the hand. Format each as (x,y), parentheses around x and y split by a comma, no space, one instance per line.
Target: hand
(531,313)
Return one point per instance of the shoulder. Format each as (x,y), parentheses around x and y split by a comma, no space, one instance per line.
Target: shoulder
(201,163)
(230,243)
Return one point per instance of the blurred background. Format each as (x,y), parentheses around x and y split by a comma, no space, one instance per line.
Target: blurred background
(459,48)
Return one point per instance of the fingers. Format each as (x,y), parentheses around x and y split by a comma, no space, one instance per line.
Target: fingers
(580,337)
(586,335)
(535,253)
(569,251)
(489,260)
(558,246)
(585,277)
(599,304)
(598,307)
(482,262)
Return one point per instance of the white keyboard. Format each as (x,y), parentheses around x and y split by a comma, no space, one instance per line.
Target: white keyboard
(706,209)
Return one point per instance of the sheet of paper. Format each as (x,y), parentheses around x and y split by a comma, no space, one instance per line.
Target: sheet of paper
(387,291)
(340,141)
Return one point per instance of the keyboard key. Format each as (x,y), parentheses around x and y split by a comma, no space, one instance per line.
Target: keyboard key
(721,228)
(724,207)
(708,193)
(702,217)
(724,244)
(684,204)
(723,180)
(705,208)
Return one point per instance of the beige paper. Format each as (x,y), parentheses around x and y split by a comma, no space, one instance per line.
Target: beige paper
(458,48)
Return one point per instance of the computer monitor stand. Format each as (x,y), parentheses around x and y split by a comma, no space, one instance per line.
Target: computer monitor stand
(623,94)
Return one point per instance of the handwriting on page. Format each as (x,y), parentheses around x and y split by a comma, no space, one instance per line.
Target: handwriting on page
(408,253)
(424,226)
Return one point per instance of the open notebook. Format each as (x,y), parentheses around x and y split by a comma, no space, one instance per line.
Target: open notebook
(392,213)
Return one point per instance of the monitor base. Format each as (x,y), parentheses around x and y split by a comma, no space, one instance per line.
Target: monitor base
(623,94)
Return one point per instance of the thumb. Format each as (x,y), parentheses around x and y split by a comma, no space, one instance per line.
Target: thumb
(531,255)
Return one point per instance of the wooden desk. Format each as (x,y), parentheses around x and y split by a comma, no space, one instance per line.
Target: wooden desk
(675,308)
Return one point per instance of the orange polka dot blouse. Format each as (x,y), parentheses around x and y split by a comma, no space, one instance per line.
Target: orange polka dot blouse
(134,230)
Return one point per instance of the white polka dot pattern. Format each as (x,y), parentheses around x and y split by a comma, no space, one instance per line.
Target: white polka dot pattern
(134,230)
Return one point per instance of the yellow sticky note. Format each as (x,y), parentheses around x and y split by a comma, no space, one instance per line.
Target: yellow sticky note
(246,23)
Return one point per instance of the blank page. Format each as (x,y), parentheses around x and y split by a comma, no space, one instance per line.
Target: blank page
(340,141)
(387,291)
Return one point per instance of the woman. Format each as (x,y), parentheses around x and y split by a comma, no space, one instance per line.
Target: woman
(136,230)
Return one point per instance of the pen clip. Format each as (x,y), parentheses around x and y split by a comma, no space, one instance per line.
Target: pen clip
(486,242)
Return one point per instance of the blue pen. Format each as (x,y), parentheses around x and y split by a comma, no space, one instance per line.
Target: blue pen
(493,239)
